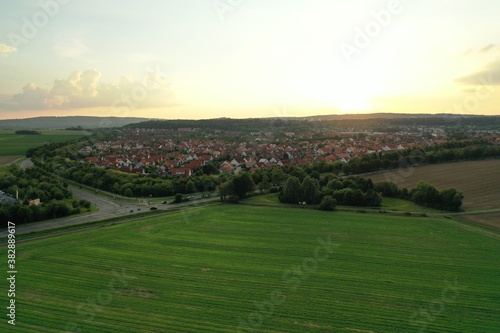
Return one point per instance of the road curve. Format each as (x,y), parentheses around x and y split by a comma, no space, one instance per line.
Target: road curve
(108,208)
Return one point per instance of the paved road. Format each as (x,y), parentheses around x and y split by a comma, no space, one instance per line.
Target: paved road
(108,208)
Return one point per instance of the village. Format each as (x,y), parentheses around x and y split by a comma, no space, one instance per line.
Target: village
(183,152)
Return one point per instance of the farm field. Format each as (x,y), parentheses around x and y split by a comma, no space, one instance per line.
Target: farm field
(5,160)
(17,144)
(478,180)
(391,204)
(263,269)
(487,219)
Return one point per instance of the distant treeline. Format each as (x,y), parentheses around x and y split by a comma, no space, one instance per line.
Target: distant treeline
(483,122)
(75,128)
(48,150)
(28,132)
(442,153)
(297,124)
(228,124)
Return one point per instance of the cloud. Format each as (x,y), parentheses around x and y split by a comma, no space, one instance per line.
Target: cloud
(6,49)
(32,97)
(487,48)
(83,89)
(78,83)
(490,75)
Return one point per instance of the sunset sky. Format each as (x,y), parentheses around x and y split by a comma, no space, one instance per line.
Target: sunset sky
(248,58)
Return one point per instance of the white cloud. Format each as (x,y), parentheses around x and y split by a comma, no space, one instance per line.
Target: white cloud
(82,89)
(489,75)
(6,49)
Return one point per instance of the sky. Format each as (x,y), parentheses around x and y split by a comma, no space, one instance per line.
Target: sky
(198,59)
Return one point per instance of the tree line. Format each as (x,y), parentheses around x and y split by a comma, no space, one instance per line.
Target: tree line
(28,132)
(441,153)
(424,194)
(36,183)
(130,185)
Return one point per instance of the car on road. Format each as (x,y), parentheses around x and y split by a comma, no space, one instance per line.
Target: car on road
(153,208)
(164,202)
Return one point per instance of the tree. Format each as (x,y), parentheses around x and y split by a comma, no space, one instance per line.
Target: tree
(190,187)
(265,184)
(388,189)
(315,174)
(327,203)
(24,214)
(451,199)
(335,184)
(372,198)
(210,169)
(178,198)
(310,190)
(85,203)
(292,191)
(425,195)
(128,192)
(243,185)
(299,173)
(278,176)
(226,190)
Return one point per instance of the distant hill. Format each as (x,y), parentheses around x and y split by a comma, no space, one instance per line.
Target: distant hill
(381,115)
(44,123)
(372,121)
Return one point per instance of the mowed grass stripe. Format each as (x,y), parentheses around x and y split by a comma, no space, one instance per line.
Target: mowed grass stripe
(203,275)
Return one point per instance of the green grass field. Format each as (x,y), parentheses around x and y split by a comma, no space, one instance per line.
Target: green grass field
(222,266)
(17,144)
(388,204)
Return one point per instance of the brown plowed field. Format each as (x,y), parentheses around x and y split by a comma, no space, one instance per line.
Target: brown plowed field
(4,160)
(478,180)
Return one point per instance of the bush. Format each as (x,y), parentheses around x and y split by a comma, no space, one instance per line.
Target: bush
(178,198)
(328,203)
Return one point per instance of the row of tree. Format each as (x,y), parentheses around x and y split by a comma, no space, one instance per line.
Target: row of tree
(352,191)
(376,122)
(36,183)
(120,183)
(357,191)
(442,153)
(424,194)
(22,213)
